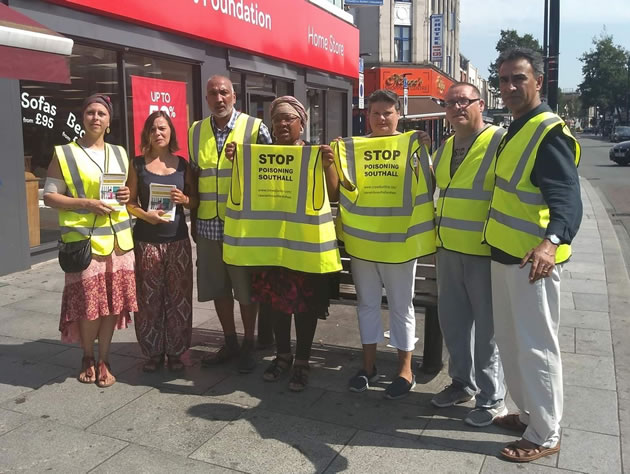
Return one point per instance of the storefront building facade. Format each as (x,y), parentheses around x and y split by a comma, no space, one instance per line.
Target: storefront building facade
(149,55)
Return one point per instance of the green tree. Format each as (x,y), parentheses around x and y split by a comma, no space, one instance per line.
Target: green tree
(510,39)
(605,75)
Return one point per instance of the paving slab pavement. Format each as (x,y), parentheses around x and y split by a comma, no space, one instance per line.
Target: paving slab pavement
(215,420)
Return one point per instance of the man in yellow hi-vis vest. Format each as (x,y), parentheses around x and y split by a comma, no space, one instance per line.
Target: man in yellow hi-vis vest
(216,280)
(384,239)
(464,173)
(535,212)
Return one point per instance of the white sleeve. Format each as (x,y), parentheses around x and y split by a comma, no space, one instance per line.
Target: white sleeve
(55,185)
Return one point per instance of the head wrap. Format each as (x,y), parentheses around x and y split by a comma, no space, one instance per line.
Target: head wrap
(288,104)
(102,99)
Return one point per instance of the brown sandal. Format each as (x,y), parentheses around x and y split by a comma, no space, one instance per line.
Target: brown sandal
(87,374)
(299,378)
(526,451)
(510,422)
(175,364)
(105,377)
(153,364)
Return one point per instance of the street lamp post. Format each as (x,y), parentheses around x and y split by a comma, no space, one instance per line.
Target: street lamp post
(628,95)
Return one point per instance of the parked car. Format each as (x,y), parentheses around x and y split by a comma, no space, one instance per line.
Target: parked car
(620,133)
(620,153)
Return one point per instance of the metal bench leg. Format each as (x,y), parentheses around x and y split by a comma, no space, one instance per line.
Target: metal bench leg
(432,356)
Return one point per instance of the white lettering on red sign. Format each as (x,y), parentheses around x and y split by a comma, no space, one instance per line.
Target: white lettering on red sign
(327,43)
(248,13)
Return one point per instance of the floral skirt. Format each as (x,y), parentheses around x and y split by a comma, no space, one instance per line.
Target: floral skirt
(293,292)
(106,287)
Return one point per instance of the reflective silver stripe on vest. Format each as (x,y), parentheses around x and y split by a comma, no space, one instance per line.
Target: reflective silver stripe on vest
(399,237)
(119,158)
(75,176)
(408,202)
(461,224)
(221,173)
(522,163)
(524,196)
(518,224)
(120,226)
(194,146)
(471,194)
(423,199)
(480,177)
(208,196)
(249,130)
(222,198)
(300,216)
(279,242)
(85,231)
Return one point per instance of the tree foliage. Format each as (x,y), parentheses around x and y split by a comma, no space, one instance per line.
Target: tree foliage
(605,75)
(510,39)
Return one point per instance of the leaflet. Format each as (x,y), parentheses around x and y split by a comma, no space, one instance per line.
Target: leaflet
(110,184)
(160,200)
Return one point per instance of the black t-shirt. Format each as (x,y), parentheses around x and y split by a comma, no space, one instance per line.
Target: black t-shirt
(166,232)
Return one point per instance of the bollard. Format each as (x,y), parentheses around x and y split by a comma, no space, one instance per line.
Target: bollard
(432,356)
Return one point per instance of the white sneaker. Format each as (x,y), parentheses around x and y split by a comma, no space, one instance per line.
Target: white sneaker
(484,416)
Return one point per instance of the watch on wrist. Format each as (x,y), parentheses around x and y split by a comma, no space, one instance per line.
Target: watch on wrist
(553,238)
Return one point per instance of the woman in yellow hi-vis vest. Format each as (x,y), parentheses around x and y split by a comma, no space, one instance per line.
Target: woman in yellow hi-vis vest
(100,298)
(281,291)
(387,221)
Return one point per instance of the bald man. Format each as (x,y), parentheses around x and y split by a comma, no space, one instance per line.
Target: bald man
(215,280)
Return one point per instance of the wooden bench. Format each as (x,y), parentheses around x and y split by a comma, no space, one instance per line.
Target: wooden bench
(425,297)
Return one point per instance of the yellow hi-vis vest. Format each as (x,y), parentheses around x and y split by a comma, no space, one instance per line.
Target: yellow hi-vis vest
(278,213)
(83,180)
(388,216)
(462,208)
(519,216)
(215,171)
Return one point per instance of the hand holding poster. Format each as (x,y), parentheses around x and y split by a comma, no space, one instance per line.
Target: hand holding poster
(110,184)
(160,200)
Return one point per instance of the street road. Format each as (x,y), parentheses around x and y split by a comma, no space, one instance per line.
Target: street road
(613,184)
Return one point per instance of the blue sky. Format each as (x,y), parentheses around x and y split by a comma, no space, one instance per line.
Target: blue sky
(580,20)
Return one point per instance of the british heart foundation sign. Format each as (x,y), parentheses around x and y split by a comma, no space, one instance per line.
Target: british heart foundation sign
(151,95)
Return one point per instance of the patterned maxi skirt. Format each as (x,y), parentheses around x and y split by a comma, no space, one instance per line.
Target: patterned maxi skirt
(164,275)
(106,287)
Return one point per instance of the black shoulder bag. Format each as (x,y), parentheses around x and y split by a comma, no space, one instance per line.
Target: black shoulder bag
(76,256)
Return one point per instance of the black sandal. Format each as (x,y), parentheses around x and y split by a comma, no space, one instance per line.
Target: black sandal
(299,378)
(277,367)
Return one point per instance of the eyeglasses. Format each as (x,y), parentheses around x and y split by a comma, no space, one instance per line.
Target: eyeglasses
(462,103)
(288,119)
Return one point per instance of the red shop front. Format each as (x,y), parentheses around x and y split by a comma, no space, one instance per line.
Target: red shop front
(158,54)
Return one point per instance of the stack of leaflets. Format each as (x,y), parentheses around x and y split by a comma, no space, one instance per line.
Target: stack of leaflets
(110,184)
(160,200)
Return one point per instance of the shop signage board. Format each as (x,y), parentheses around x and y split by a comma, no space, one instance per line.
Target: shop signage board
(288,30)
(437,30)
(151,95)
(420,82)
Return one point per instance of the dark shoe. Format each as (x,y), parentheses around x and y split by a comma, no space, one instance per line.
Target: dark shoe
(453,394)
(247,359)
(222,356)
(361,381)
(399,388)
(153,364)
(277,367)
(299,378)
(511,422)
(175,364)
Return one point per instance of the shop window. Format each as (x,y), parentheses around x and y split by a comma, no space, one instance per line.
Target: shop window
(51,115)
(336,112)
(239,88)
(402,44)
(283,88)
(316,114)
(158,84)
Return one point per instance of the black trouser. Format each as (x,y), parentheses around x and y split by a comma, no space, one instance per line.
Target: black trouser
(305,325)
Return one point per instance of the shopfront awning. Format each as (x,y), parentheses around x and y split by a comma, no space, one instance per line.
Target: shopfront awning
(31,51)
(424,108)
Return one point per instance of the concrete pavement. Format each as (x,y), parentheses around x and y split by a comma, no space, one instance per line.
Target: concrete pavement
(214,420)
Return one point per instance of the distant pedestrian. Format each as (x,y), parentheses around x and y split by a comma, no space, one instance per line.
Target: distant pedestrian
(164,275)
(535,212)
(101,297)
